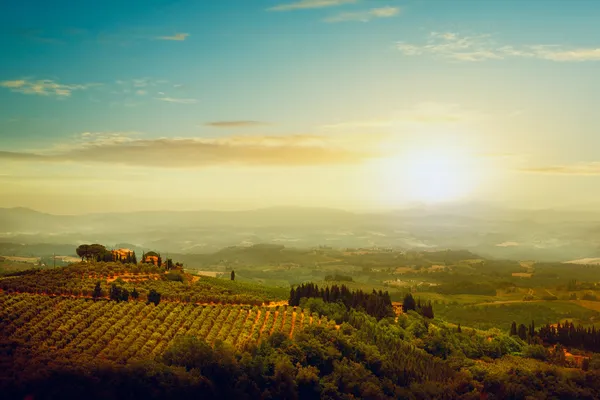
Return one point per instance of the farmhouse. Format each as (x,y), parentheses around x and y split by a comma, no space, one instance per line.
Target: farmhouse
(152,258)
(122,254)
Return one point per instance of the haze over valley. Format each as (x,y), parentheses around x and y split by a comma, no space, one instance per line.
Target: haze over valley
(544,235)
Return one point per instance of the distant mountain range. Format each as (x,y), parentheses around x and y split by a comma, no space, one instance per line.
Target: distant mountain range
(488,230)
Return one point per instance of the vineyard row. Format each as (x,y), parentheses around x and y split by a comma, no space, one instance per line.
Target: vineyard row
(130,331)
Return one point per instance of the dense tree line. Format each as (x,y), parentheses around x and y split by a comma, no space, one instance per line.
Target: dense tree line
(569,335)
(409,304)
(377,304)
(566,334)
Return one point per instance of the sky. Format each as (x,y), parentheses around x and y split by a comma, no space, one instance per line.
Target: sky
(352,104)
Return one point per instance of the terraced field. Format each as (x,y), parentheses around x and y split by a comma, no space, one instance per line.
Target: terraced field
(129,331)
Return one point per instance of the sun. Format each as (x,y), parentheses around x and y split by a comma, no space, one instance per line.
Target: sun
(428,175)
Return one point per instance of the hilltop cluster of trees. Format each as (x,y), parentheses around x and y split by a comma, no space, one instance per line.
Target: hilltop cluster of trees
(99,253)
(565,334)
(377,304)
(409,304)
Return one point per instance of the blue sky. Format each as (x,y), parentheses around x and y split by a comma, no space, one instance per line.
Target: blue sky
(236,96)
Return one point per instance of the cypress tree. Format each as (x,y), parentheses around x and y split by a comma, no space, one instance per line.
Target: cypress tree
(97,291)
(409,303)
(513,329)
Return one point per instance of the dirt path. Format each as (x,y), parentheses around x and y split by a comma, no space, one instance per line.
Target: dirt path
(494,303)
(131,277)
(80,296)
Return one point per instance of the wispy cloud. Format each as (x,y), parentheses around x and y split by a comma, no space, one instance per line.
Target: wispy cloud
(37,35)
(365,16)
(422,113)
(177,37)
(176,100)
(457,47)
(44,87)
(307,4)
(236,124)
(583,169)
(383,123)
(292,150)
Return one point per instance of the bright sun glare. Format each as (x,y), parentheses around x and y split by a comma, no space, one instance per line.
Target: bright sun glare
(428,175)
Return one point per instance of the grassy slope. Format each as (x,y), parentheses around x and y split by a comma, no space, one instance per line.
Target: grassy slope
(502,315)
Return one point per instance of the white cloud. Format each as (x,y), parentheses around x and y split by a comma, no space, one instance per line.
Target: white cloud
(177,37)
(307,4)
(44,87)
(365,16)
(87,140)
(176,100)
(454,46)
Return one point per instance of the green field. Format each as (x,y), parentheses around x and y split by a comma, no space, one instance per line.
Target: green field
(502,315)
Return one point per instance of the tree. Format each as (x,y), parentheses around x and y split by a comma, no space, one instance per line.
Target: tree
(232,275)
(585,364)
(115,292)
(153,297)
(426,310)
(83,251)
(409,303)
(97,251)
(133,258)
(135,294)
(97,291)
(522,332)
(513,329)
(458,329)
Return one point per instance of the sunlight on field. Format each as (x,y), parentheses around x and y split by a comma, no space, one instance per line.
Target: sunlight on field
(522,274)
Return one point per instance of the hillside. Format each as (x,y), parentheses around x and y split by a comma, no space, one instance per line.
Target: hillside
(123,332)
(182,336)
